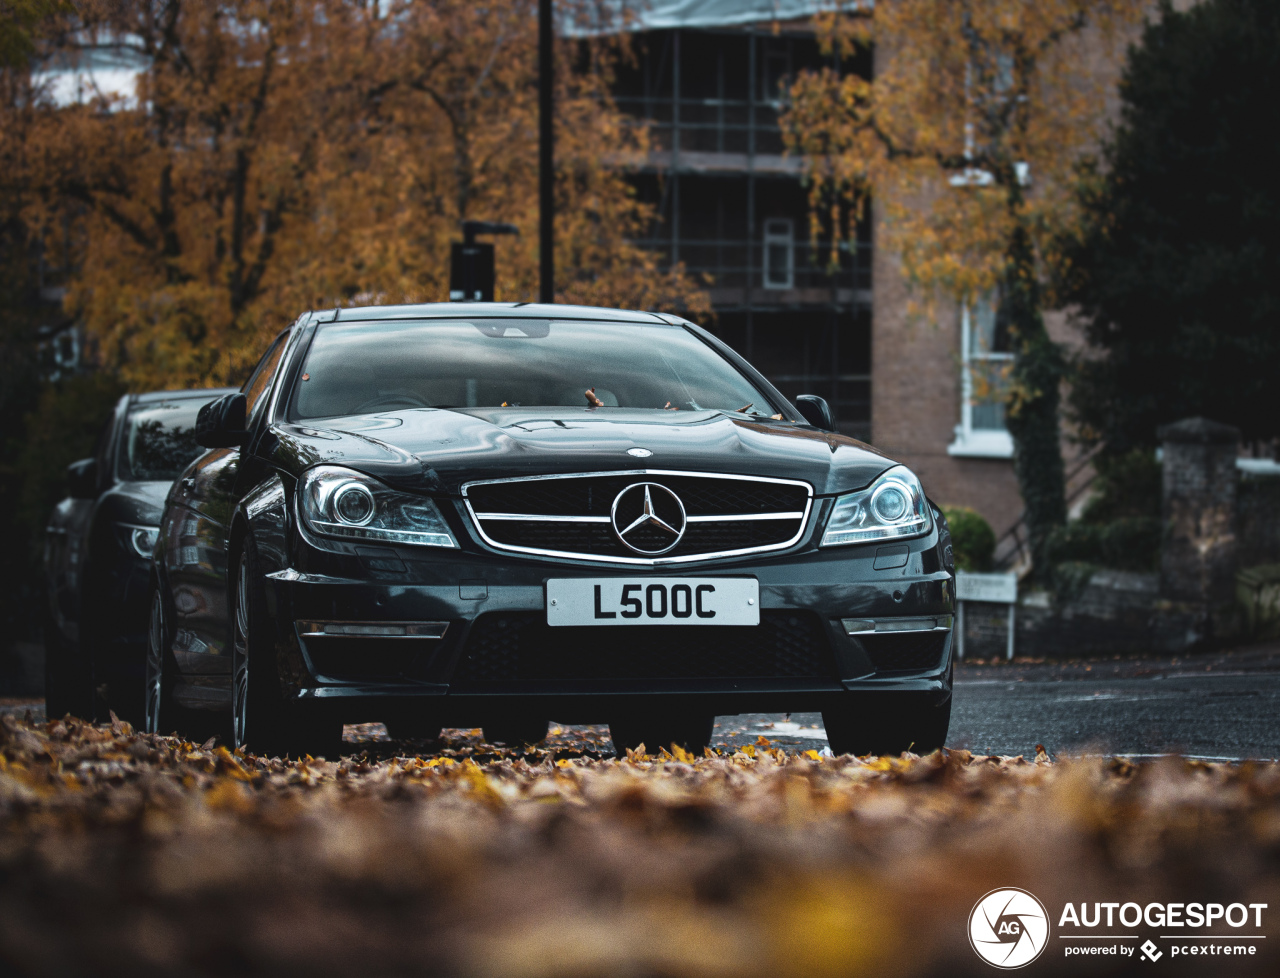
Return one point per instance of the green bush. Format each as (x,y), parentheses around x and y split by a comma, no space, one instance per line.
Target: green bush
(972,539)
(1127,543)
(1127,484)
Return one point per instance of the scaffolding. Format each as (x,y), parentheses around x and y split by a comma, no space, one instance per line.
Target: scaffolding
(732,207)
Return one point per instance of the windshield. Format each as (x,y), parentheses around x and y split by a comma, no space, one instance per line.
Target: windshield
(159,440)
(358,368)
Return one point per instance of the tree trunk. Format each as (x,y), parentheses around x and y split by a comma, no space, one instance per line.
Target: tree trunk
(1032,420)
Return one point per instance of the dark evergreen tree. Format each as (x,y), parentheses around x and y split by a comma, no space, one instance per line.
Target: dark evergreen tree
(1177,272)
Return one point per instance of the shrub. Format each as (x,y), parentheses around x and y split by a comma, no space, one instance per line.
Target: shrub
(1127,543)
(972,539)
(1127,484)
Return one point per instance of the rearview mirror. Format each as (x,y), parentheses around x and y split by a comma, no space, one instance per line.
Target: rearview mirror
(220,423)
(82,479)
(816,411)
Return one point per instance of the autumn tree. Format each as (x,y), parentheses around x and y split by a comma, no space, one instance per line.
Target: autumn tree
(286,154)
(968,137)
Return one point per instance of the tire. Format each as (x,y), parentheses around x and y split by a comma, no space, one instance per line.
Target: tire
(160,714)
(262,720)
(659,730)
(68,678)
(412,729)
(895,724)
(516,731)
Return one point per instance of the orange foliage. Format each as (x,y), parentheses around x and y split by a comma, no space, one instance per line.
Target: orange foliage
(969,96)
(289,154)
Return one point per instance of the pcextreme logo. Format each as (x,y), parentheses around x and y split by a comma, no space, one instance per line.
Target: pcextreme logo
(1009,928)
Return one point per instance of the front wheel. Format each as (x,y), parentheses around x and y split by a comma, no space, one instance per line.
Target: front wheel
(68,679)
(413,728)
(661,731)
(516,731)
(262,720)
(897,723)
(159,712)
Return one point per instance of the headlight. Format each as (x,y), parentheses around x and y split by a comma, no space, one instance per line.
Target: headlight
(890,508)
(141,540)
(338,502)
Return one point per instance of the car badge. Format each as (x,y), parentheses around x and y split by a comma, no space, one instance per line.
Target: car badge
(648,518)
(639,452)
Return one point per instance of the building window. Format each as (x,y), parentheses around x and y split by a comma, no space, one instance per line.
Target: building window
(775,79)
(779,254)
(984,380)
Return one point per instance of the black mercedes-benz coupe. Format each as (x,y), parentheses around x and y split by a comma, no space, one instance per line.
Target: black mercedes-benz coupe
(496,514)
(97,553)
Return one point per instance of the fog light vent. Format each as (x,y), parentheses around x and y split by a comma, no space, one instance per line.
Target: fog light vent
(862,626)
(381,629)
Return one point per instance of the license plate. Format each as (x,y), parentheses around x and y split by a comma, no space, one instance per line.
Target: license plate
(650,601)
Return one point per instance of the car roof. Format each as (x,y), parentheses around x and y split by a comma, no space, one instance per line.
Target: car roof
(152,397)
(491,310)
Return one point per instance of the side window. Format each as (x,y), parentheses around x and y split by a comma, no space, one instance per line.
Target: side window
(257,386)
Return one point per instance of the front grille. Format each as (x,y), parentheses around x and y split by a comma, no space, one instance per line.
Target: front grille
(571,515)
(904,650)
(519,646)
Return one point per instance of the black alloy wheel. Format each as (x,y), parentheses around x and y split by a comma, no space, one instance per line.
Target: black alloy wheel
(899,722)
(262,720)
(68,678)
(661,731)
(516,731)
(413,728)
(158,708)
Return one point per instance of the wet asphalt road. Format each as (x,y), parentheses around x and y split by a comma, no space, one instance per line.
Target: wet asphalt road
(1222,706)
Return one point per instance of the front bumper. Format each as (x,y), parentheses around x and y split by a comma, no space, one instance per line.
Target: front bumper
(494,652)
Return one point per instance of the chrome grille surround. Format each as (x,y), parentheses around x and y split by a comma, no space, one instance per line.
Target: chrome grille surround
(479,519)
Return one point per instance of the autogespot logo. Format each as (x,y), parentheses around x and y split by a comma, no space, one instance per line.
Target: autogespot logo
(1008,928)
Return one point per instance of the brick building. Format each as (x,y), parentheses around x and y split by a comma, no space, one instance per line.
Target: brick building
(710,77)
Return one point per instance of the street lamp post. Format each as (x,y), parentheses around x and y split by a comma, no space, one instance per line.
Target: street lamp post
(546,156)
(471,262)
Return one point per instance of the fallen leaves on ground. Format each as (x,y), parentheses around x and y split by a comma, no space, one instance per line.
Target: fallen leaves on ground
(127,853)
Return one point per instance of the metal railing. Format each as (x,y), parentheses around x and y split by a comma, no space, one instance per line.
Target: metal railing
(728,262)
(1013,547)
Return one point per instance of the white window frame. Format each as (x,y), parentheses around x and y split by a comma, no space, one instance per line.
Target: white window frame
(773,237)
(973,442)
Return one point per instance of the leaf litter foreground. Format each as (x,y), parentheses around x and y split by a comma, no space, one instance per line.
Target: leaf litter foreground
(135,854)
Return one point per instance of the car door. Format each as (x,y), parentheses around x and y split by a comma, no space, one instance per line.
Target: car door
(67,538)
(198,530)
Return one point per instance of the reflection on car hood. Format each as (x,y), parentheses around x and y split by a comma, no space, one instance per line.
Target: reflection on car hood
(140,503)
(439,450)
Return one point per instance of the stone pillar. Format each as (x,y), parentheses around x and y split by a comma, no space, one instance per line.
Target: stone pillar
(1198,555)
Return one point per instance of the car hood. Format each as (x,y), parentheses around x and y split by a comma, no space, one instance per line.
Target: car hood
(439,450)
(140,503)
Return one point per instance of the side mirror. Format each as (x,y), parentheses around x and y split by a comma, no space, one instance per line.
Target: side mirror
(82,479)
(816,411)
(220,423)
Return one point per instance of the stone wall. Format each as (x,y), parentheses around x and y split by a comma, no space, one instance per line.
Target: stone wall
(1114,613)
(1258,520)
(1217,521)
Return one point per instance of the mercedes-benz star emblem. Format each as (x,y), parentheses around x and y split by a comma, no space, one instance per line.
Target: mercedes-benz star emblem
(648,518)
